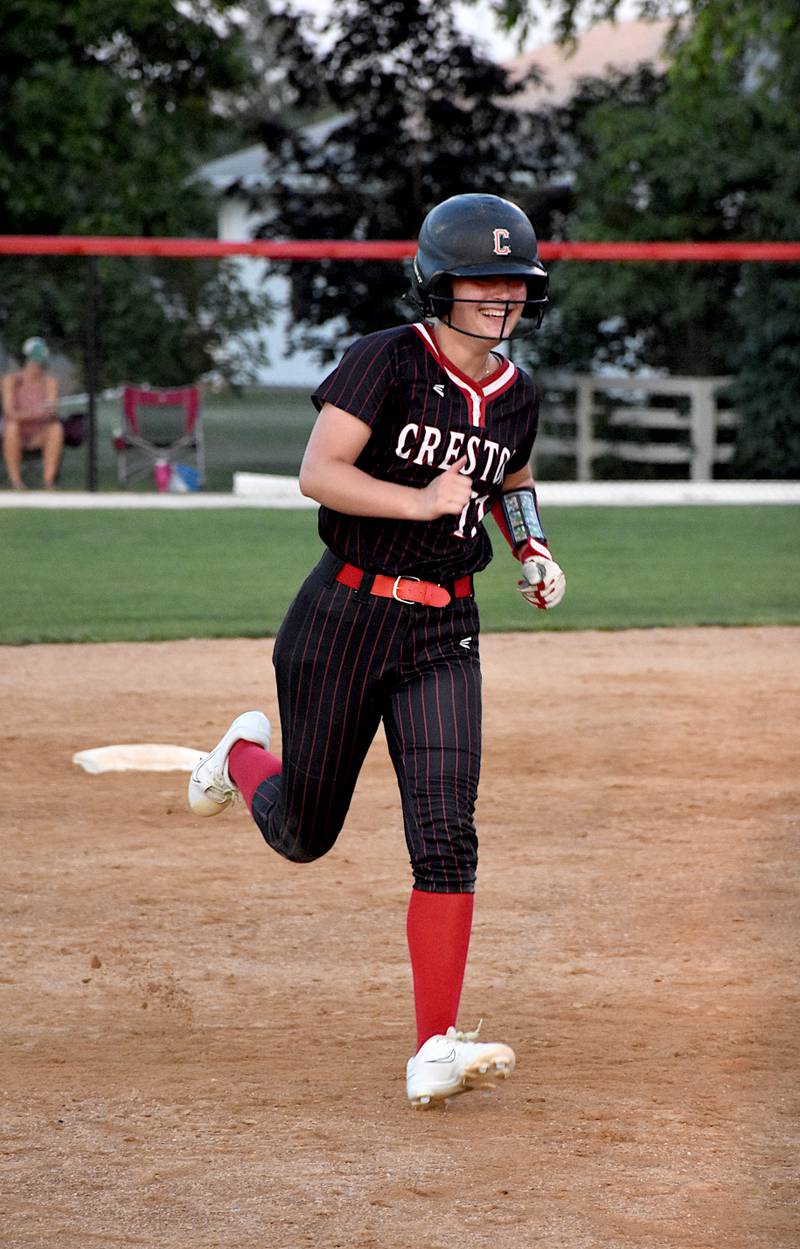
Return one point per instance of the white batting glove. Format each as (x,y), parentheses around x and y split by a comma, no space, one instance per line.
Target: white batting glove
(544,583)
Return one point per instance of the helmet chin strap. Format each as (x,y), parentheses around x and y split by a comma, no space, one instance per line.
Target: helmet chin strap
(508,304)
(485,338)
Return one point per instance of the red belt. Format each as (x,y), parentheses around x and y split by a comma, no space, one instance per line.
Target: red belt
(406,589)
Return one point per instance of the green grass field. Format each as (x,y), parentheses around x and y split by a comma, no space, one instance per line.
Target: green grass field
(97,575)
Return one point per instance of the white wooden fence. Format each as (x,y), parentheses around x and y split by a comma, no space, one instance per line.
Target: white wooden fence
(586,417)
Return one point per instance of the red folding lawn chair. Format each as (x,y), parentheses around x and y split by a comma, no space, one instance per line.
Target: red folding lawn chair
(162,435)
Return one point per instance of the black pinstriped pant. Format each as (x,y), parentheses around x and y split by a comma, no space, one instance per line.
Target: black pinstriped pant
(345,660)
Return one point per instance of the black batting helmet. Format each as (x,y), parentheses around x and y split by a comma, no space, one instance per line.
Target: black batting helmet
(475,236)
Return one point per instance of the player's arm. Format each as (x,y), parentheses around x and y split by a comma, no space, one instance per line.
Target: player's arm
(329,474)
(543,582)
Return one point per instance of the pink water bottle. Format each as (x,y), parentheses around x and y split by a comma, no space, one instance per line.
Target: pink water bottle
(162,474)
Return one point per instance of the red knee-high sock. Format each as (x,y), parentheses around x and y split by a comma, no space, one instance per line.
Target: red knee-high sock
(249,765)
(438,928)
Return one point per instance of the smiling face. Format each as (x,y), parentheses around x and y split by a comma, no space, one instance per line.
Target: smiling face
(487,307)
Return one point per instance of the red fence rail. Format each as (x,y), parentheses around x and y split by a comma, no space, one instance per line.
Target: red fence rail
(347,249)
(335,249)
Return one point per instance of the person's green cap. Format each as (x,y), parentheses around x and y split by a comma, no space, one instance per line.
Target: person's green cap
(36,349)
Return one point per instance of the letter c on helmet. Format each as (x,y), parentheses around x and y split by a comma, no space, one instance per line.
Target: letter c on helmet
(501,247)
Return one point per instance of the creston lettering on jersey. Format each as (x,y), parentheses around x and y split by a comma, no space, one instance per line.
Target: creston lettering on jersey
(486,459)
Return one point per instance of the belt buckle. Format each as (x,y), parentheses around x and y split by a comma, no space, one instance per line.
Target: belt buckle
(397,581)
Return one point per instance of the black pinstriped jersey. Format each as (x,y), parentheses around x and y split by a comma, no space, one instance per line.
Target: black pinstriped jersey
(424,415)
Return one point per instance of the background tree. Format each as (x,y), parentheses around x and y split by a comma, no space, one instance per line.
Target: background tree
(708,151)
(720,26)
(108,108)
(650,167)
(414,114)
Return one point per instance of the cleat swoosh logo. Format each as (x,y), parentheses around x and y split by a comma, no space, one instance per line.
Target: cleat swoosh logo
(448,1058)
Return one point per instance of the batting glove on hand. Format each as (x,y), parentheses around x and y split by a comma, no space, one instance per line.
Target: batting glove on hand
(545,584)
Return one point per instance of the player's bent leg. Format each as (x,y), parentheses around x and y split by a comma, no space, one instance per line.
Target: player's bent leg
(300,812)
(301,816)
(325,670)
(249,765)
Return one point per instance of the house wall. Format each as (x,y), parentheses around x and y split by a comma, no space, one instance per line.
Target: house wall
(299,368)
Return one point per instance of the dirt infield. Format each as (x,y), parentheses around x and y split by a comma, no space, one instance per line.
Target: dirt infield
(204,1046)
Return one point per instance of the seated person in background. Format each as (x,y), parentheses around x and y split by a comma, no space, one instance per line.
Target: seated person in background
(30,415)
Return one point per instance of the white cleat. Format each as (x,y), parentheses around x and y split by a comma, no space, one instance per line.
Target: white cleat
(211,789)
(455,1063)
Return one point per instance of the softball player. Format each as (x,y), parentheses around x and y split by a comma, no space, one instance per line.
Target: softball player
(422,430)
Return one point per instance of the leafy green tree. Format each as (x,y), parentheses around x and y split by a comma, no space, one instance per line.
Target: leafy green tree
(722,28)
(708,151)
(644,170)
(414,114)
(108,107)
(754,49)
(767,387)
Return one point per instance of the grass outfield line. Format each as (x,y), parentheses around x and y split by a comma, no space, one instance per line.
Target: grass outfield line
(125,575)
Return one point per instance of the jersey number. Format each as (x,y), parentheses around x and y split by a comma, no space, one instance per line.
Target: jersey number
(480,501)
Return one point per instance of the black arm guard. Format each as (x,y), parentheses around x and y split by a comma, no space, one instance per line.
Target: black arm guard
(522,515)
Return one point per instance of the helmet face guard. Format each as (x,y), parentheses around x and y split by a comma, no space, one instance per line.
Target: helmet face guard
(476,236)
(440,303)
